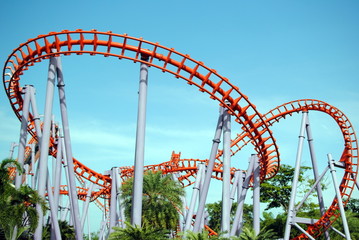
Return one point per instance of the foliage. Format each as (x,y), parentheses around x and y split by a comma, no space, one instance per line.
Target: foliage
(215,214)
(190,235)
(94,236)
(264,234)
(138,233)
(161,199)
(67,231)
(17,206)
(353,205)
(276,191)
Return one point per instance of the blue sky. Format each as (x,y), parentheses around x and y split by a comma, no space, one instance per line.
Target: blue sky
(274,51)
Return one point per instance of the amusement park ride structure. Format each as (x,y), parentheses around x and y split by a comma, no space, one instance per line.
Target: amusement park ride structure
(48,139)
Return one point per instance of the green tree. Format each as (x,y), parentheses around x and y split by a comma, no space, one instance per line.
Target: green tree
(161,199)
(215,214)
(138,233)
(276,191)
(17,206)
(67,231)
(264,234)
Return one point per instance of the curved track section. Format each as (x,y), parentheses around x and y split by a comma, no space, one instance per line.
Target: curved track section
(138,50)
(349,155)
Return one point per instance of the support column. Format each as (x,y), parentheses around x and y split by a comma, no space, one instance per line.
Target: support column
(195,193)
(23,136)
(86,205)
(136,212)
(120,201)
(256,195)
(113,201)
(45,142)
(291,211)
(316,172)
(208,176)
(331,163)
(226,207)
(239,212)
(55,229)
(67,138)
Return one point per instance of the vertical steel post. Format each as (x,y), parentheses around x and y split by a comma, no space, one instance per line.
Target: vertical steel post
(256,195)
(45,143)
(12,147)
(35,113)
(136,212)
(239,212)
(196,189)
(291,211)
(23,135)
(316,172)
(113,201)
(67,138)
(331,162)
(120,201)
(55,229)
(58,172)
(226,183)
(208,176)
(182,220)
(86,205)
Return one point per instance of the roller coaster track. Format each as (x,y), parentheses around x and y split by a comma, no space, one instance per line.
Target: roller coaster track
(255,125)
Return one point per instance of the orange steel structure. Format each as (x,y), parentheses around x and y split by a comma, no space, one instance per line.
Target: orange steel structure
(256,126)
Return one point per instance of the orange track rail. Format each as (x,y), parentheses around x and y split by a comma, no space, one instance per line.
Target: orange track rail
(255,126)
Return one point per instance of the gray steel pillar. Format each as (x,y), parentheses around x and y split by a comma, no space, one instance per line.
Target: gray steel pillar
(316,172)
(256,195)
(23,136)
(331,162)
(208,176)
(12,147)
(120,201)
(55,229)
(226,183)
(196,189)
(66,130)
(234,187)
(113,201)
(58,172)
(291,211)
(86,205)
(45,142)
(136,212)
(237,222)
(182,220)
(35,113)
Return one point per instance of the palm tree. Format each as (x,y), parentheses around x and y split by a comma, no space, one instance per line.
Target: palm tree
(17,206)
(264,234)
(67,231)
(138,233)
(160,203)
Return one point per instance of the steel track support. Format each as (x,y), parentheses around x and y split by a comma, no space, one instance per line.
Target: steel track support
(13,145)
(226,183)
(237,176)
(237,222)
(68,147)
(291,210)
(209,171)
(182,221)
(23,135)
(136,212)
(58,171)
(55,229)
(331,163)
(121,208)
(113,200)
(86,205)
(316,172)
(195,193)
(256,195)
(45,142)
